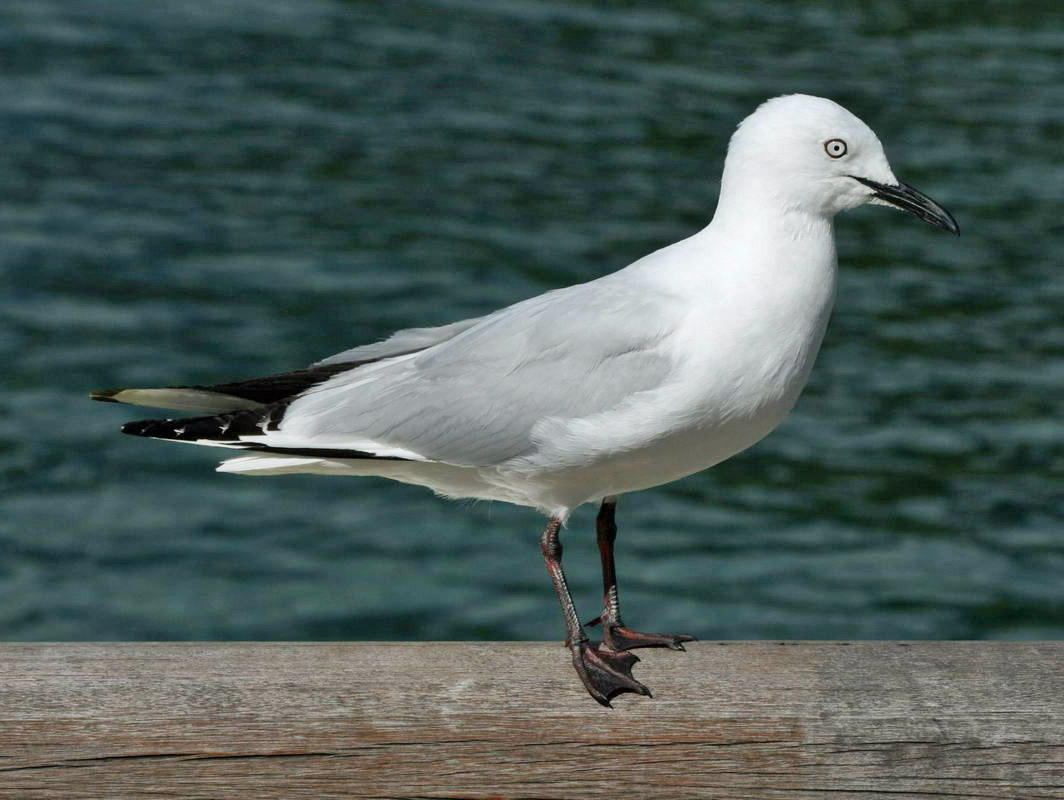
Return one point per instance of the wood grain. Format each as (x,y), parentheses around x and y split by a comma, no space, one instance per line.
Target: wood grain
(764,721)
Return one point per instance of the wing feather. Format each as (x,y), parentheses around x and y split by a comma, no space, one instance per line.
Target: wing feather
(475,398)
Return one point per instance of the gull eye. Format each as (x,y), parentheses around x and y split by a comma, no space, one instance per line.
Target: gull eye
(836,148)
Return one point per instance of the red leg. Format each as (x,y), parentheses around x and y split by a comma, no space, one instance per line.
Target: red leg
(604,672)
(614,635)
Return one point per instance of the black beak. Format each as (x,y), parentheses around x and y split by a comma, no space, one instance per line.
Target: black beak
(909,199)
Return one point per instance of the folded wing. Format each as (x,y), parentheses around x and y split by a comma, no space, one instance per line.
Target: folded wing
(469,394)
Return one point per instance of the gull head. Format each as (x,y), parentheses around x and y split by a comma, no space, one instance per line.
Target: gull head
(809,154)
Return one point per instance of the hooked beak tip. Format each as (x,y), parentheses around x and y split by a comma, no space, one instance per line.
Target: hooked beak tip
(906,198)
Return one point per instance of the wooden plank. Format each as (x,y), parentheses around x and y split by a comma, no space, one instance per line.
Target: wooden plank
(764,721)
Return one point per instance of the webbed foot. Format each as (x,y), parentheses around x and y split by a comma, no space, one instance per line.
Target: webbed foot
(605,673)
(617,637)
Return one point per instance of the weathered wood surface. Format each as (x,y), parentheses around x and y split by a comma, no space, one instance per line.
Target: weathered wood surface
(764,721)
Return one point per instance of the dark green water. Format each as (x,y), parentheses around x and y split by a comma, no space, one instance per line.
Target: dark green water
(196,191)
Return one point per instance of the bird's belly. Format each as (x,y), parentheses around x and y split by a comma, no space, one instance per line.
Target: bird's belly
(718,409)
(661,460)
(678,455)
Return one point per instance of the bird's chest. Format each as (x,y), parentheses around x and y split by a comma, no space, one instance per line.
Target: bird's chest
(741,378)
(750,354)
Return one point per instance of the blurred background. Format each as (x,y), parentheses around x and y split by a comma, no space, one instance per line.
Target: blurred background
(196,191)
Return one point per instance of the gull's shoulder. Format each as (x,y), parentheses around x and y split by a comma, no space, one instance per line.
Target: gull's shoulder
(649,281)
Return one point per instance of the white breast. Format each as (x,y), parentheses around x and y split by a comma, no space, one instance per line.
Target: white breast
(743,355)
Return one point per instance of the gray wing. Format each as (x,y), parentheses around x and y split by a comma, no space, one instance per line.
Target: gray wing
(401,342)
(474,398)
(256,393)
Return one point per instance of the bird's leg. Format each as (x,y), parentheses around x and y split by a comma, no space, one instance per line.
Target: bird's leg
(604,672)
(614,635)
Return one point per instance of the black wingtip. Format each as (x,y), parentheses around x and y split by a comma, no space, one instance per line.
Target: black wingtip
(220,428)
(105,395)
(149,427)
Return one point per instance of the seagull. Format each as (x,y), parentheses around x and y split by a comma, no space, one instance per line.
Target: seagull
(582,394)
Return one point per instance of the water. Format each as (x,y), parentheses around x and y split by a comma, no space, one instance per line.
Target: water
(201,191)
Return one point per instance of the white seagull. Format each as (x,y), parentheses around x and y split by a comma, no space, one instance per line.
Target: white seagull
(669,366)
